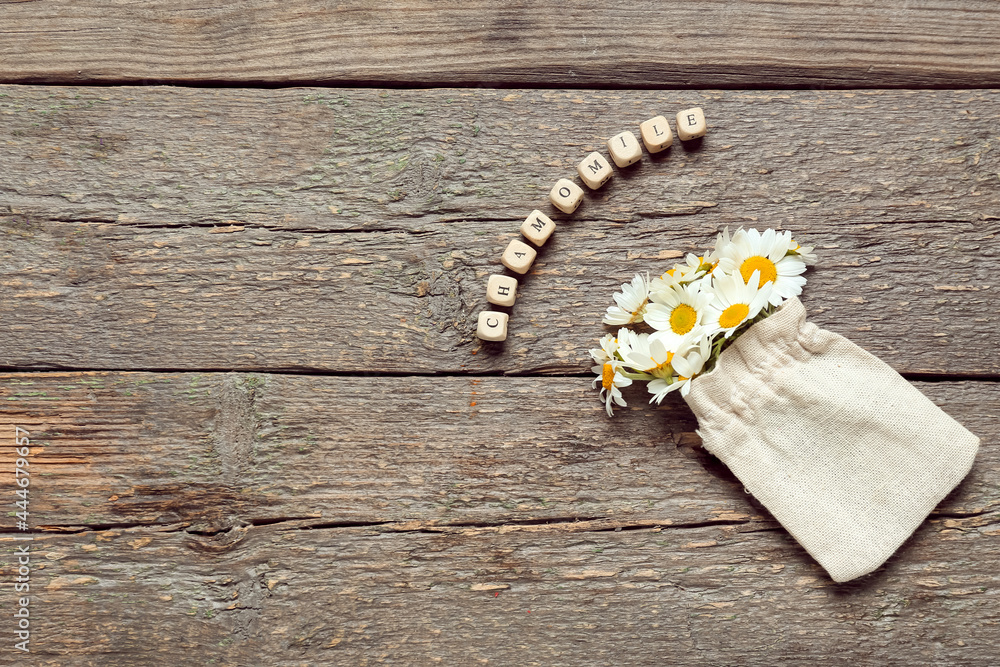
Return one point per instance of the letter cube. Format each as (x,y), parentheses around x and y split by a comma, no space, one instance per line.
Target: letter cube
(537,228)
(518,256)
(566,195)
(624,149)
(492,326)
(595,170)
(656,134)
(691,124)
(501,290)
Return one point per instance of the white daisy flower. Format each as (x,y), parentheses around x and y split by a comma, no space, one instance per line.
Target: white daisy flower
(687,362)
(631,302)
(693,268)
(735,302)
(649,355)
(805,252)
(766,254)
(678,310)
(610,376)
(722,241)
(607,349)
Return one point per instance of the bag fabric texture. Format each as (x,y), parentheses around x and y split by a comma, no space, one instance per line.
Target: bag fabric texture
(841,449)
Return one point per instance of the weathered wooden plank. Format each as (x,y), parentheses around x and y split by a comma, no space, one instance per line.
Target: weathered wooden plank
(218,450)
(324,160)
(922,296)
(529,595)
(646,44)
(905,216)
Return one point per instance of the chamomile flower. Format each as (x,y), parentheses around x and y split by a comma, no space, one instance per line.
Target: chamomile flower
(751,252)
(722,241)
(631,302)
(606,351)
(688,361)
(609,374)
(678,310)
(735,302)
(804,252)
(693,268)
(649,355)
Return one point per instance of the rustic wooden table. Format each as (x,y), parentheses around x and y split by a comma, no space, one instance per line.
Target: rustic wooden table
(242,251)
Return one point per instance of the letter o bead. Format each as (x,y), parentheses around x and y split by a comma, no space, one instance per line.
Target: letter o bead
(492,326)
(566,195)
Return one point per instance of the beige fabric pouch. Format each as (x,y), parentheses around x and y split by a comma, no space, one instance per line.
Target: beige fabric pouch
(841,449)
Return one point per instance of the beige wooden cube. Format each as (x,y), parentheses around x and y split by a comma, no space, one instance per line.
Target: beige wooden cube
(656,134)
(691,124)
(518,256)
(624,149)
(501,290)
(566,195)
(537,228)
(595,170)
(492,325)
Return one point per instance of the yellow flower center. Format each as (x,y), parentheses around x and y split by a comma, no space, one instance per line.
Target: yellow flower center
(683,318)
(768,271)
(608,376)
(661,367)
(734,315)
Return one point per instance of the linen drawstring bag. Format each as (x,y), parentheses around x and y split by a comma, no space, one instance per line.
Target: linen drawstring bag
(845,453)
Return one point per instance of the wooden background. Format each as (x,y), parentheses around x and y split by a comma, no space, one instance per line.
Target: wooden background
(242,250)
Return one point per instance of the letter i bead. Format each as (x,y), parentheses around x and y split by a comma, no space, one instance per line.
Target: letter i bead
(624,149)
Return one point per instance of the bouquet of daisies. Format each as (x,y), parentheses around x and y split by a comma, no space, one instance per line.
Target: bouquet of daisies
(841,449)
(695,310)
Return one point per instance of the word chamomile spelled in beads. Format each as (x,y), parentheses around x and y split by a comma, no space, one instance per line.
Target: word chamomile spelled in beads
(566,195)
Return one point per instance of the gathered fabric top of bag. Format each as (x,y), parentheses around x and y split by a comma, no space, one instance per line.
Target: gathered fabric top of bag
(842,450)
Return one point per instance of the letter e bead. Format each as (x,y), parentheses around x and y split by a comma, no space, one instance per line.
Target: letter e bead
(691,124)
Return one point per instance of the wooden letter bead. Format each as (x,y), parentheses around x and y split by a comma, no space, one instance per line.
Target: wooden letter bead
(501,290)
(656,134)
(625,149)
(566,195)
(492,326)
(691,124)
(518,256)
(595,170)
(537,228)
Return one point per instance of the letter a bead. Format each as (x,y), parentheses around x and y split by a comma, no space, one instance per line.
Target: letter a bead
(492,326)
(501,290)
(566,195)
(624,149)
(691,124)
(518,256)
(656,134)
(595,170)
(537,228)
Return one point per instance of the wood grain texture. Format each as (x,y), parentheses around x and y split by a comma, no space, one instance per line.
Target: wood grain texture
(533,595)
(354,230)
(220,450)
(220,517)
(645,44)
